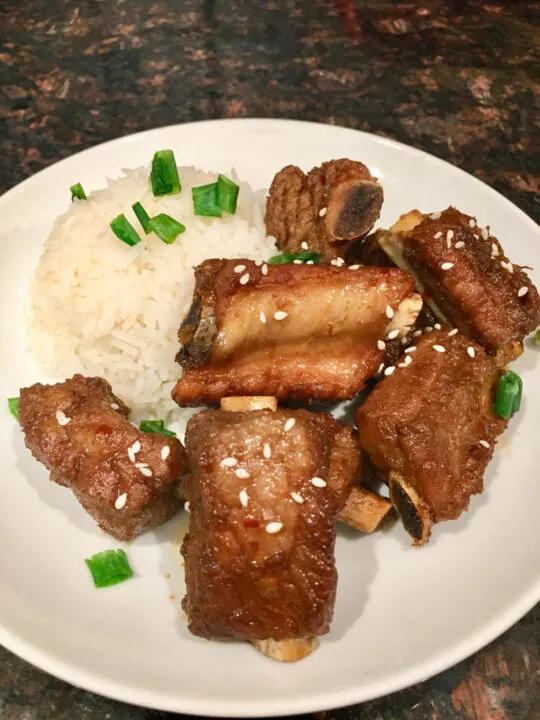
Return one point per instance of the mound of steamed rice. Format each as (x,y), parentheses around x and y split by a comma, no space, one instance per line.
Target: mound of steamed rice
(101,307)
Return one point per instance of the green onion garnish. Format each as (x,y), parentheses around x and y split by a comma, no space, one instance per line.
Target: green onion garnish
(13,405)
(157,427)
(508,394)
(286,258)
(166,228)
(77,191)
(205,200)
(227,194)
(109,568)
(124,230)
(164,175)
(538,337)
(142,216)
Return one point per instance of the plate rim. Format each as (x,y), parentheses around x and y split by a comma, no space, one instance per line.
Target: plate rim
(325,699)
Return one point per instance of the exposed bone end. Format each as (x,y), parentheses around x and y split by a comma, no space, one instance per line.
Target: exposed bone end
(290,650)
(247,403)
(412,510)
(406,314)
(512,350)
(364,510)
(354,207)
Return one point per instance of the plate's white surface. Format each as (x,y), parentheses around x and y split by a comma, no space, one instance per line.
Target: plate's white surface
(401,615)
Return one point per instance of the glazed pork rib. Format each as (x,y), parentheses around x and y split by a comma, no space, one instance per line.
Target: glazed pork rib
(466,278)
(264,489)
(431,428)
(324,210)
(308,332)
(125,479)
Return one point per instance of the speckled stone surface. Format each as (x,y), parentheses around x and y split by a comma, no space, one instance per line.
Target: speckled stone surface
(457,79)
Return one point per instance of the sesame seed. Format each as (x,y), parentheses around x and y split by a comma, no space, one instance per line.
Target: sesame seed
(131,454)
(244,279)
(417,333)
(61,418)
(297,498)
(476,237)
(439,348)
(471,351)
(448,244)
(291,422)
(389,370)
(309,262)
(229,462)
(410,349)
(408,360)
(165,452)
(403,365)
(136,447)
(452,332)
(187,505)
(404,340)
(437,235)
(392,335)
(447,266)
(334,262)
(354,267)
(507,266)
(435,215)
(264,269)
(494,250)
(280,315)
(389,312)
(262,317)
(340,262)
(297,262)
(239,269)
(449,235)
(484,443)
(304,245)
(146,471)
(244,498)
(267,451)
(140,465)
(273,527)
(428,329)
(120,501)
(241,473)
(322,212)
(381,344)
(472,222)
(380,368)
(437,326)
(318,482)
(485,233)
(459,245)
(258,263)
(115,406)
(523,291)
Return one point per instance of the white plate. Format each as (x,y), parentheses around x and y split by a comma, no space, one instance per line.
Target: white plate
(402,614)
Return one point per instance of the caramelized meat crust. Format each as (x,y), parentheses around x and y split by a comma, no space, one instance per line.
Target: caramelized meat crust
(307,332)
(79,430)
(432,421)
(467,278)
(259,555)
(327,208)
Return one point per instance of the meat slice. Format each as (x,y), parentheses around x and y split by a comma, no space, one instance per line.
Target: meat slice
(430,425)
(264,489)
(125,479)
(324,210)
(466,278)
(307,332)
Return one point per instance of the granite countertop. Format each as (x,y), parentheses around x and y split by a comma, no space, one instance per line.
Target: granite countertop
(457,79)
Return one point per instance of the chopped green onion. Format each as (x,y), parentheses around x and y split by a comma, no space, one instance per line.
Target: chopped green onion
(124,230)
(109,568)
(508,395)
(538,337)
(157,427)
(227,194)
(142,216)
(166,228)
(286,258)
(205,200)
(77,191)
(164,175)
(13,405)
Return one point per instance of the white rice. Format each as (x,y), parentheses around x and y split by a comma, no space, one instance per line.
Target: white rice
(100,307)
